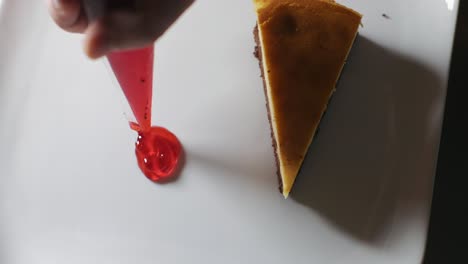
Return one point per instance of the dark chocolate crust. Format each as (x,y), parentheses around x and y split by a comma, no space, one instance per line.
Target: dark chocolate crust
(258,54)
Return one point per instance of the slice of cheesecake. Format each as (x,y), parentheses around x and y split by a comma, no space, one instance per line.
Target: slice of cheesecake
(302,46)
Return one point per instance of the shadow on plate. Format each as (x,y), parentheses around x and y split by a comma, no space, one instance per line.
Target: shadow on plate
(375,148)
(251,169)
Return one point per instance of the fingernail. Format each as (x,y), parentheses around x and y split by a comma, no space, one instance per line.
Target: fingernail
(96,50)
(93,52)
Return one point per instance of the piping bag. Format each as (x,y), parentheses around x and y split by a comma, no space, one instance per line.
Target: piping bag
(157,150)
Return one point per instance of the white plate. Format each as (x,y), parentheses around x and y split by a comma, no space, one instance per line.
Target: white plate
(71,192)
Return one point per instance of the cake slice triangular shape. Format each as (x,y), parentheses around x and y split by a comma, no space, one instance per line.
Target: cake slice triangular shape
(302,46)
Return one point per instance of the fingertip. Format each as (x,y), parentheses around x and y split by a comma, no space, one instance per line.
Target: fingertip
(95,42)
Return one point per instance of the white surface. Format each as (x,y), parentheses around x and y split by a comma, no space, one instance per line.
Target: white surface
(71,192)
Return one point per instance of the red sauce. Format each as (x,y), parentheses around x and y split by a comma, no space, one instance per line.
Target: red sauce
(157,149)
(134,72)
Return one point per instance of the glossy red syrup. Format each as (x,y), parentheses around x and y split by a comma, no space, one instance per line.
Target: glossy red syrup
(134,72)
(158,152)
(157,149)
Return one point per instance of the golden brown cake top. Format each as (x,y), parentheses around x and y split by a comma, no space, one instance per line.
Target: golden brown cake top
(265,8)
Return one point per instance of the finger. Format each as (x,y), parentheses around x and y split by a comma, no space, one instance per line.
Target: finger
(120,30)
(68,15)
(117,31)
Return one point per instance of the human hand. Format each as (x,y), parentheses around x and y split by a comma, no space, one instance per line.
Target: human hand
(134,24)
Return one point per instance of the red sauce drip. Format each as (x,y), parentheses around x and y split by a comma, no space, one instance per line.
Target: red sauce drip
(157,149)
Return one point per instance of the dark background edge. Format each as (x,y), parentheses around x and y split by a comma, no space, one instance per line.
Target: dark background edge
(448,229)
